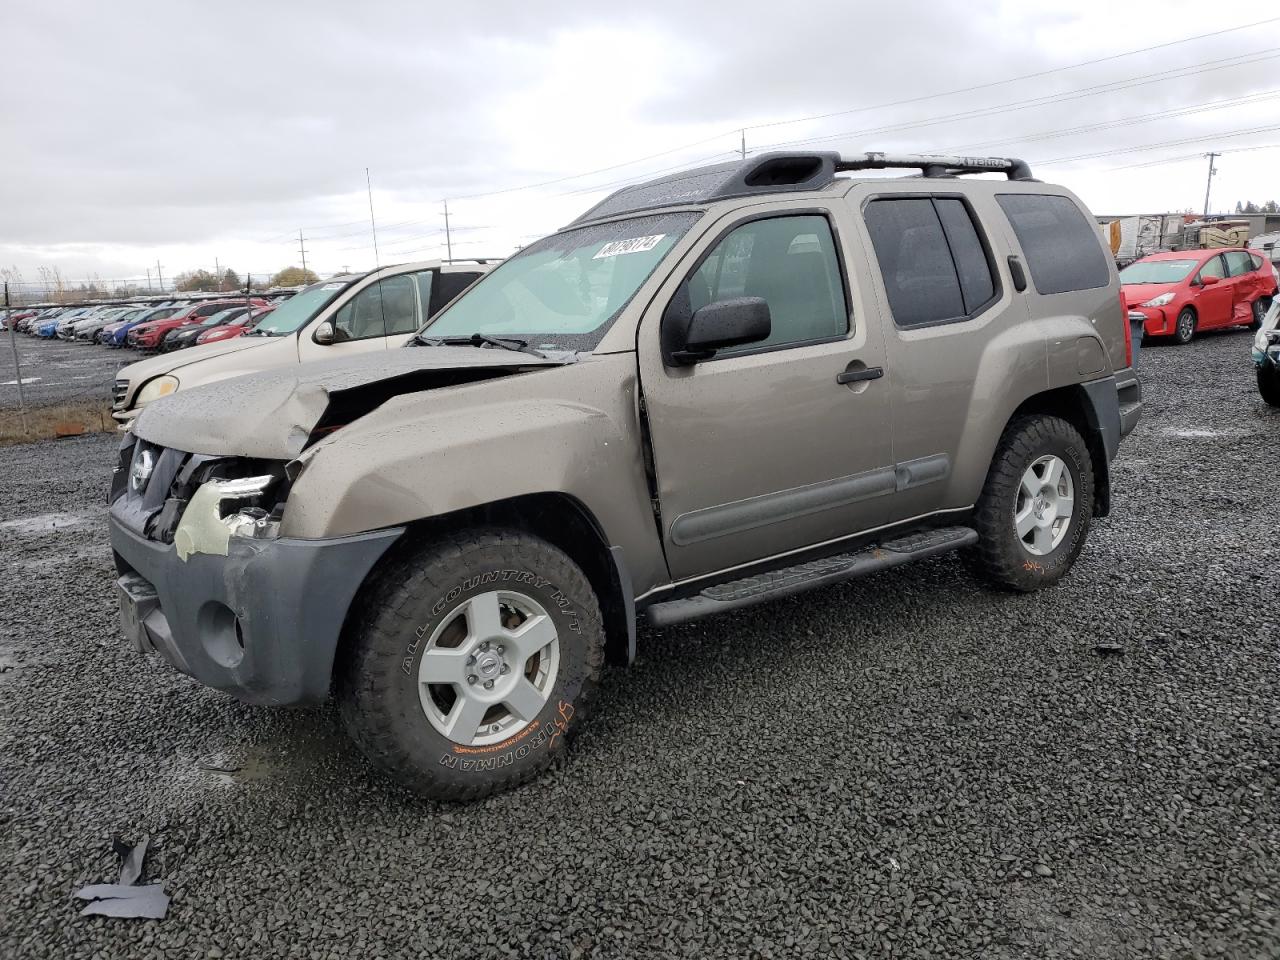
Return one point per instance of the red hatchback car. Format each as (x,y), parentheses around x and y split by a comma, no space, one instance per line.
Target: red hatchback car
(1181,292)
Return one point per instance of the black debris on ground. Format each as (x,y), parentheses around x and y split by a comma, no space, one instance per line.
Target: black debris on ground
(907,766)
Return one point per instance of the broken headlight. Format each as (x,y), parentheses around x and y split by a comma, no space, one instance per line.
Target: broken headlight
(222,509)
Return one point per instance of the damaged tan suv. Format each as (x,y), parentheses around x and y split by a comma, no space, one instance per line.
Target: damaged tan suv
(709,391)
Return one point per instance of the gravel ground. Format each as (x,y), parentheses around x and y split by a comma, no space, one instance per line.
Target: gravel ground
(905,766)
(55,371)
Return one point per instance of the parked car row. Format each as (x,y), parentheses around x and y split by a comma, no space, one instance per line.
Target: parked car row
(166,326)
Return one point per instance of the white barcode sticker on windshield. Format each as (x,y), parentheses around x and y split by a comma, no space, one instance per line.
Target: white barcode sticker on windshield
(634,245)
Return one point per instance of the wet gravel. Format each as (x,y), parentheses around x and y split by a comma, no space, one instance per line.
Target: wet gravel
(58,371)
(906,766)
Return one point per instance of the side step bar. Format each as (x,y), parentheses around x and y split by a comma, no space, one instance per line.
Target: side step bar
(815,573)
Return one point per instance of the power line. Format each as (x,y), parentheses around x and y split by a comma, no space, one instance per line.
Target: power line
(1017,79)
(741,130)
(1175,73)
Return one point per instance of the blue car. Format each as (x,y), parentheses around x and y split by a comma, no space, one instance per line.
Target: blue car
(48,328)
(113,335)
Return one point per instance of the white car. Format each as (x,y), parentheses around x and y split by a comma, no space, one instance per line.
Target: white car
(342,316)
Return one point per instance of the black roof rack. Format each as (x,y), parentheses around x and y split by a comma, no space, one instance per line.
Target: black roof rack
(784,173)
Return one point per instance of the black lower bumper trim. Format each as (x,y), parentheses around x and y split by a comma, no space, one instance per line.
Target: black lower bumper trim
(261,623)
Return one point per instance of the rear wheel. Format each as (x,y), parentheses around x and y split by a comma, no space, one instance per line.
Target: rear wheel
(1037,504)
(470,662)
(1269,384)
(1186,328)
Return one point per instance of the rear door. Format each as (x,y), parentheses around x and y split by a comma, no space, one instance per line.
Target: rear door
(760,450)
(944,303)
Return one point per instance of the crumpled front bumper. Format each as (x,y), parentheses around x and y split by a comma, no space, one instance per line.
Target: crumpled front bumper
(261,623)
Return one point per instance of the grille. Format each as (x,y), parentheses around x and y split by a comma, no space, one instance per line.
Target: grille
(118,391)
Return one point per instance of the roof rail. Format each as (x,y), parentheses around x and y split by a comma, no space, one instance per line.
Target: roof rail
(937,166)
(783,172)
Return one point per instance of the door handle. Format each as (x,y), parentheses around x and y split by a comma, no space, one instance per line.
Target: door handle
(854,376)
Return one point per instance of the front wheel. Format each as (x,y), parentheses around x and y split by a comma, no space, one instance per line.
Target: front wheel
(1037,504)
(470,662)
(1269,384)
(1186,328)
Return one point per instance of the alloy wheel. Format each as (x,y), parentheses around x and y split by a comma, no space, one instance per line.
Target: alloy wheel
(1045,503)
(489,668)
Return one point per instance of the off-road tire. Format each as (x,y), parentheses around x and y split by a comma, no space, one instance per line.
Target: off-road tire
(1185,329)
(999,555)
(408,597)
(1269,385)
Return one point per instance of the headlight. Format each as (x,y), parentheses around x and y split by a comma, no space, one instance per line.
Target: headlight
(155,389)
(1159,301)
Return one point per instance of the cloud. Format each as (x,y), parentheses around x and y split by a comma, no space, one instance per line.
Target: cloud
(188,132)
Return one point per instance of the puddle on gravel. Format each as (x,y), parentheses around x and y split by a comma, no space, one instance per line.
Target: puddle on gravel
(251,764)
(1194,433)
(292,756)
(48,523)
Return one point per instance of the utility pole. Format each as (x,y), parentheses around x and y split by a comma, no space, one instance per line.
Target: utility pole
(302,247)
(448,239)
(1209,182)
(373,224)
(17,366)
(149,280)
(744,143)
(217,274)
(159,277)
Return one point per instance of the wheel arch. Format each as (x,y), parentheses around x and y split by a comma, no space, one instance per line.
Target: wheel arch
(1075,405)
(566,523)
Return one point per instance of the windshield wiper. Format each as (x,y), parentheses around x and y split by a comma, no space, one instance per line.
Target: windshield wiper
(481,339)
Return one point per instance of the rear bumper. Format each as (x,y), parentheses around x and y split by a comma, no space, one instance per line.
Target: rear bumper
(1129,396)
(261,623)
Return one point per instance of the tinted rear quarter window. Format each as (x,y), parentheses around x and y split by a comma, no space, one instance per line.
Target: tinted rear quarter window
(1062,249)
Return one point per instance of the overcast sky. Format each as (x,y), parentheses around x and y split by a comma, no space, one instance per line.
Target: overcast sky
(135,132)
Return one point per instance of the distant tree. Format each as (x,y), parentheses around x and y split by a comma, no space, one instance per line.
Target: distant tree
(230,280)
(293,277)
(195,280)
(1271,207)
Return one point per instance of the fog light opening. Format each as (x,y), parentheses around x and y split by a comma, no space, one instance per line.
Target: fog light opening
(221,633)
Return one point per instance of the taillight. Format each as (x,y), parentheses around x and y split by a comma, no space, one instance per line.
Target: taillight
(1128,332)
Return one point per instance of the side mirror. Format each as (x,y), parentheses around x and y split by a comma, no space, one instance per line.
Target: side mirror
(324,334)
(1209,281)
(688,338)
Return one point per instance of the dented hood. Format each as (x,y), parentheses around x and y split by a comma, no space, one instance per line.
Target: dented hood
(272,414)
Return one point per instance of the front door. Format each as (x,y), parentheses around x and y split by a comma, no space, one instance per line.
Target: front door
(1214,302)
(760,450)
(382,314)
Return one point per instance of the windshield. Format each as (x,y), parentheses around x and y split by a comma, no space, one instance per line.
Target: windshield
(565,290)
(294,313)
(221,317)
(1156,271)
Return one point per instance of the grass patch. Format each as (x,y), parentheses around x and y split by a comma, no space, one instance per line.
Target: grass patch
(58,420)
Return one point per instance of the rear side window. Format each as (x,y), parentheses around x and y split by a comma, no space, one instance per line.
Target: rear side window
(932,260)
(1238,263)
(1063,251)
